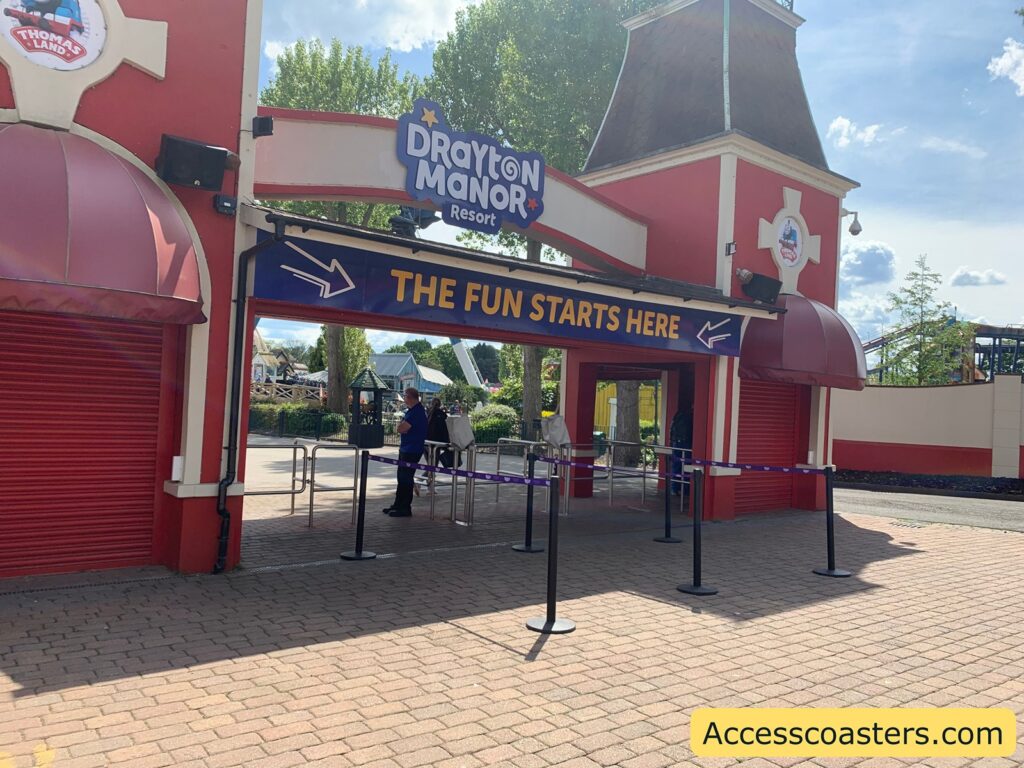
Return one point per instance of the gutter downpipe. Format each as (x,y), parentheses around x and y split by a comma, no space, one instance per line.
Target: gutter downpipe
(238,349)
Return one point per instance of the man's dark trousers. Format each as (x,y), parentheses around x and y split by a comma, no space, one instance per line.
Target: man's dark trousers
(406,479)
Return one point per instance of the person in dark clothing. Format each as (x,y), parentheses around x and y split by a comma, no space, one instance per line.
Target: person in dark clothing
(437,432)
(413,430)
(681,436)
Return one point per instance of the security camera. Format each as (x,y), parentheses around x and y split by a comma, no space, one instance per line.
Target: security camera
(855,227)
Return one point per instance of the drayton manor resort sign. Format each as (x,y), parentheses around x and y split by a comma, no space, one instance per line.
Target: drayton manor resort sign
(475,181)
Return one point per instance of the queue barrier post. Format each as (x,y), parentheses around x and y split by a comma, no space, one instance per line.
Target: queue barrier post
(697,587)
(830,531)
(527,546)
(359,554)
(551,624)
(668,538)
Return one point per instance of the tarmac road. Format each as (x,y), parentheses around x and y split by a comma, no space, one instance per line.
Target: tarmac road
(981,513)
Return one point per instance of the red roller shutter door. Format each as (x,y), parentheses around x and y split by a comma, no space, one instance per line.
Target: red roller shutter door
(767,435)
(78,441)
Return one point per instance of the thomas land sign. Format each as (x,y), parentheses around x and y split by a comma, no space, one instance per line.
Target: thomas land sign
(476,181)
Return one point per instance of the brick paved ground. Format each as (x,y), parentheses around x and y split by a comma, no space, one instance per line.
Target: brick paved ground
(421,658)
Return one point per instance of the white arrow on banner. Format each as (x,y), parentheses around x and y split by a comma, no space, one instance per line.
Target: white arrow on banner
(710,341)
(330,285)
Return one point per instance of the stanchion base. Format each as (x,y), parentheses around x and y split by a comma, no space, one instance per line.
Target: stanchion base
(524,548)
(668,540)
(690,589)
(557,627)
(358,555)
(835,573)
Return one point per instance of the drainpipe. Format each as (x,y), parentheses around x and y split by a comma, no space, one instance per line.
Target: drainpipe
(237,352)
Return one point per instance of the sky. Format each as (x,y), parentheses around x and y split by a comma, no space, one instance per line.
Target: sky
(920,101)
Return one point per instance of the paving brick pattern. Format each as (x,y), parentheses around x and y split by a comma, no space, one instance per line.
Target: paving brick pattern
(422,658)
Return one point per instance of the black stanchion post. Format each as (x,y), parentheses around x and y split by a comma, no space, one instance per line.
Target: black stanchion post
(697,588)
(359,554)
(551,624)
(527,546)
(668,538)
(830,528)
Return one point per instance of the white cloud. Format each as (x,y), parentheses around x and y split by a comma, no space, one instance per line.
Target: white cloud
(964,277)
(845,132)
(402,25)
(287,332)
(867,313)
(1010,65)
(952,147)
(272,49)
(865,263)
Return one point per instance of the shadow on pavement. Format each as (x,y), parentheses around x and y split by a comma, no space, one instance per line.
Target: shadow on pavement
(431,574)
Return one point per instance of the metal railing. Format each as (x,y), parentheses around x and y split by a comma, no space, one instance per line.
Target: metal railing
(354,488)
(293,492)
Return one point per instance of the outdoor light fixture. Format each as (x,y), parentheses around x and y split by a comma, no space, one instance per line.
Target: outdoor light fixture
(855,227)
(759,287)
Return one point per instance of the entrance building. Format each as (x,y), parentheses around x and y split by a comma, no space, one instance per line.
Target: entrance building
(128,290)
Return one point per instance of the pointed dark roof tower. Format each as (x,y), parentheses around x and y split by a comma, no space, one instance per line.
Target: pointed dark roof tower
(698,69)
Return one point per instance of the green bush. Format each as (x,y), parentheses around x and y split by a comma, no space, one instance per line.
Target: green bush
(510,394)
(493,422)
(494,411)
(549,395)
(487,431)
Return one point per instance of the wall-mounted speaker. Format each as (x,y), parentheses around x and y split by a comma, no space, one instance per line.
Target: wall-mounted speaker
(191,163)
(762,288)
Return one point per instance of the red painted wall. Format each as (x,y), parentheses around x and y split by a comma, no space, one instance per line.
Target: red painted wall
(916,459)
(759,196)
(681,206)
(199,98)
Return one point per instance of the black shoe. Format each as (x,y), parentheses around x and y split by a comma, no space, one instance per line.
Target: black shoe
(388,510)
(400,513)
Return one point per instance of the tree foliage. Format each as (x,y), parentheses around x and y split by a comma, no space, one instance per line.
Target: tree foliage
(462,392)
(348,352)
(537,74)
(486,358)
(930,347)
(442,357)
(335,78)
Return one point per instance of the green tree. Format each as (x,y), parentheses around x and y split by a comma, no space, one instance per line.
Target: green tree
(462,392)
(318,357)
(537,74)
(398,349)
(348,352)
(442,357)
(486,358)
(931,346)
(510,363)
(418,347)
(333,78)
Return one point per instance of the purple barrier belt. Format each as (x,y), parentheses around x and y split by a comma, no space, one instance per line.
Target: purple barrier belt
(691,462)
(508,479)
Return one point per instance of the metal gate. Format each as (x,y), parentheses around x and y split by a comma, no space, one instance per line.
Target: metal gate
(79,400)
(767,435)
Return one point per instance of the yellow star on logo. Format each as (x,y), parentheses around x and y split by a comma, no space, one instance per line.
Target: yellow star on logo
(429,117)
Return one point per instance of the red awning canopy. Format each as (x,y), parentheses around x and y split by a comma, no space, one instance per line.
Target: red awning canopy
(810,344)
(85,232)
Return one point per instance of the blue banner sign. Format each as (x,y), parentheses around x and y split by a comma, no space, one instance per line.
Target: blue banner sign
(316,274)
(475,181)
